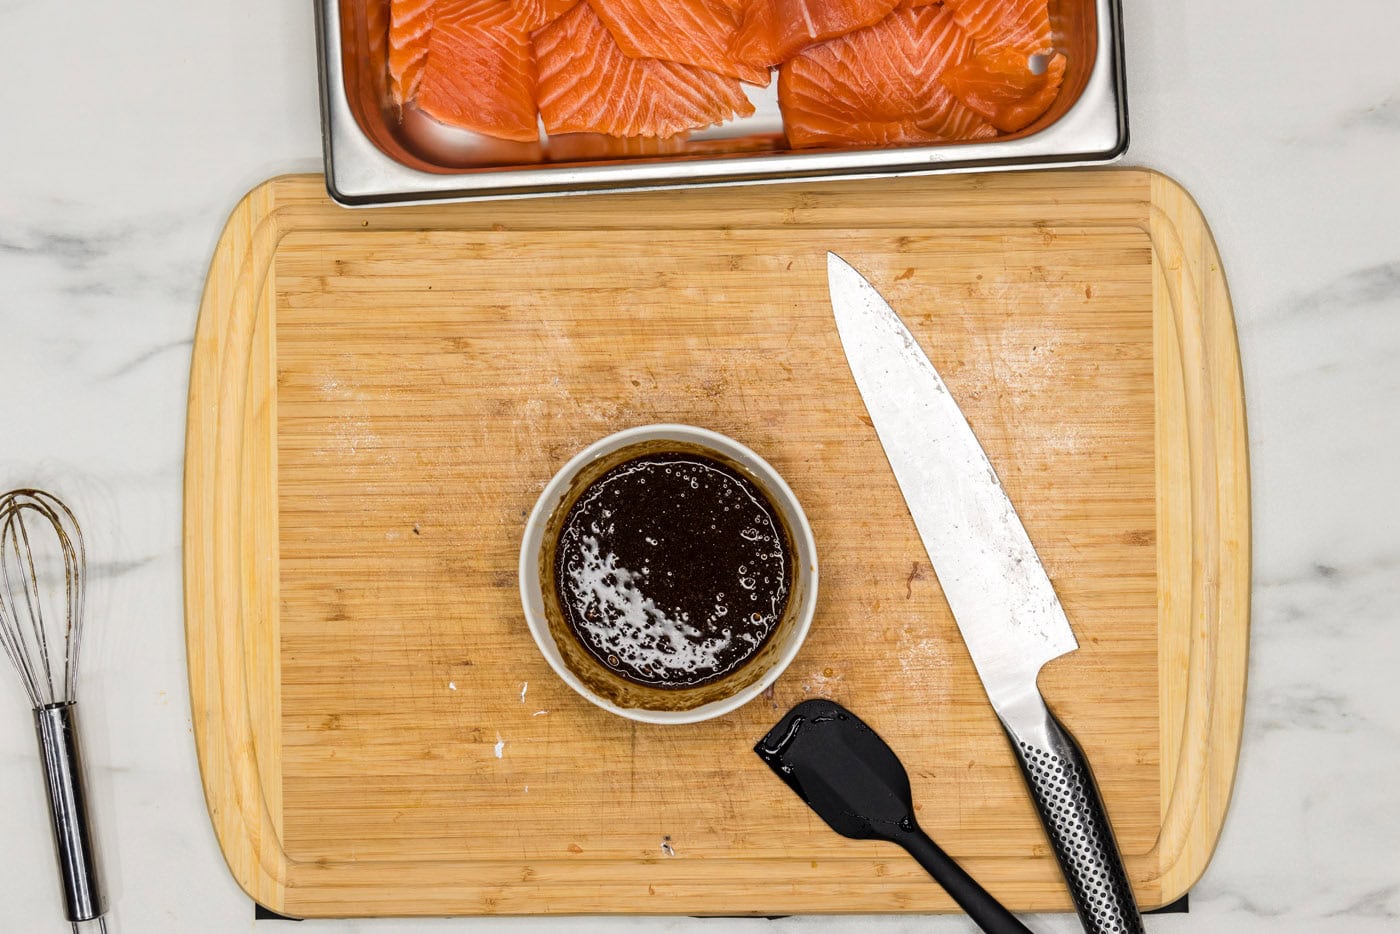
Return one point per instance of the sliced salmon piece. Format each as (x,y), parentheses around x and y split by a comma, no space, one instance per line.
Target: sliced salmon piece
(880,85)
(536,14)
(445,145)
(691,32)
(998,25)
(1004,90)
(573,147)
(772,31)
(905,4)
(568,147)
(479,73)
(410,22)
(588,85)
(999,82)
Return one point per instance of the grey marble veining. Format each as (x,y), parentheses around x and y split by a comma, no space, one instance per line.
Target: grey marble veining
(1383,116)
(129,134)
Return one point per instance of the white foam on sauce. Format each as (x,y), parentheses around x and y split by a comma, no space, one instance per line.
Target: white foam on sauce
(621,620)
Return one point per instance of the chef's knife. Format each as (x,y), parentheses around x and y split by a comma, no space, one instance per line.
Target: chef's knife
(1000,595)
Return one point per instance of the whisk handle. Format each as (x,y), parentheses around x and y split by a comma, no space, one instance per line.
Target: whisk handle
(57,727)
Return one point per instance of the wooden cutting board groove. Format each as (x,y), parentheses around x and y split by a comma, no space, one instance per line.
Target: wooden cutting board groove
(377,397)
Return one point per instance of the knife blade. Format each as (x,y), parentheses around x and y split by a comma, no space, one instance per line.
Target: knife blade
(1002,600)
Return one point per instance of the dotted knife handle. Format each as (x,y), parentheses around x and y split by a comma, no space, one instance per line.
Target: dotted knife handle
(1073,814)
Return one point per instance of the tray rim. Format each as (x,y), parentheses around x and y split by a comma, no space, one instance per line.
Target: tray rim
(223,534)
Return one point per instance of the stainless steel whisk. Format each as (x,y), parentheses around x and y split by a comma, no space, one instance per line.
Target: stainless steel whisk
(42,567)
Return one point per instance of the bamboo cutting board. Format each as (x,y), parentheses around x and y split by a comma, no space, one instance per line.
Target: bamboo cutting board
(378,397)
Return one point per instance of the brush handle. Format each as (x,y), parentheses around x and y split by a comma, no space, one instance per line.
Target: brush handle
(985,911)
(57,728)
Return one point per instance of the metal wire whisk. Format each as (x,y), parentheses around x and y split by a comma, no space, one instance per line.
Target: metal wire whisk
(42,568)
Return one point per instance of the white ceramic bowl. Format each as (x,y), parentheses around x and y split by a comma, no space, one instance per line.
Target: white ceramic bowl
(792,631)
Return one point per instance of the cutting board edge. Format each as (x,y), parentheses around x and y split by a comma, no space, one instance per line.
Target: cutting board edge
(1193,293)
(221,361)
(247,832)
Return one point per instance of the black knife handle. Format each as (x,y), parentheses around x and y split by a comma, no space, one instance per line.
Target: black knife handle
(985,911)
(1073,814)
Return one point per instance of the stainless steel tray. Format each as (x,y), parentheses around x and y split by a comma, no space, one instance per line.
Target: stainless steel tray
(372,160)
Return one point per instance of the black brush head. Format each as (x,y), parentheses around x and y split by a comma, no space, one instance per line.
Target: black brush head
(842,769)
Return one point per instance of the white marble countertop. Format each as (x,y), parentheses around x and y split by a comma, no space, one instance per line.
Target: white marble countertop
(129,133)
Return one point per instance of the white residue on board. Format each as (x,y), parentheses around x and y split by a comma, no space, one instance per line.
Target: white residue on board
(824,682)
(352,433)
(1031,366)
(352,428)
(524,686)
(500,747)
(540,713)
(924,663)
(452,685)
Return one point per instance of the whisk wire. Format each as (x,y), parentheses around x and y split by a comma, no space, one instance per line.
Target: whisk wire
(79,578)
(33,602)
(75,578)
(14,635)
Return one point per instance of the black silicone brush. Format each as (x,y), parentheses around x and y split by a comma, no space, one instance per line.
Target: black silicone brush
(854,781)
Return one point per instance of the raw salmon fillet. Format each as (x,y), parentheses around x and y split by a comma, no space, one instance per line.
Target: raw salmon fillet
(880,85)
(536,14)
(1005,25)
(998,82)
(572,147)
(410,22)
(588,85)
(691,32)
(772,31)
(479,74)
(1002,88)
